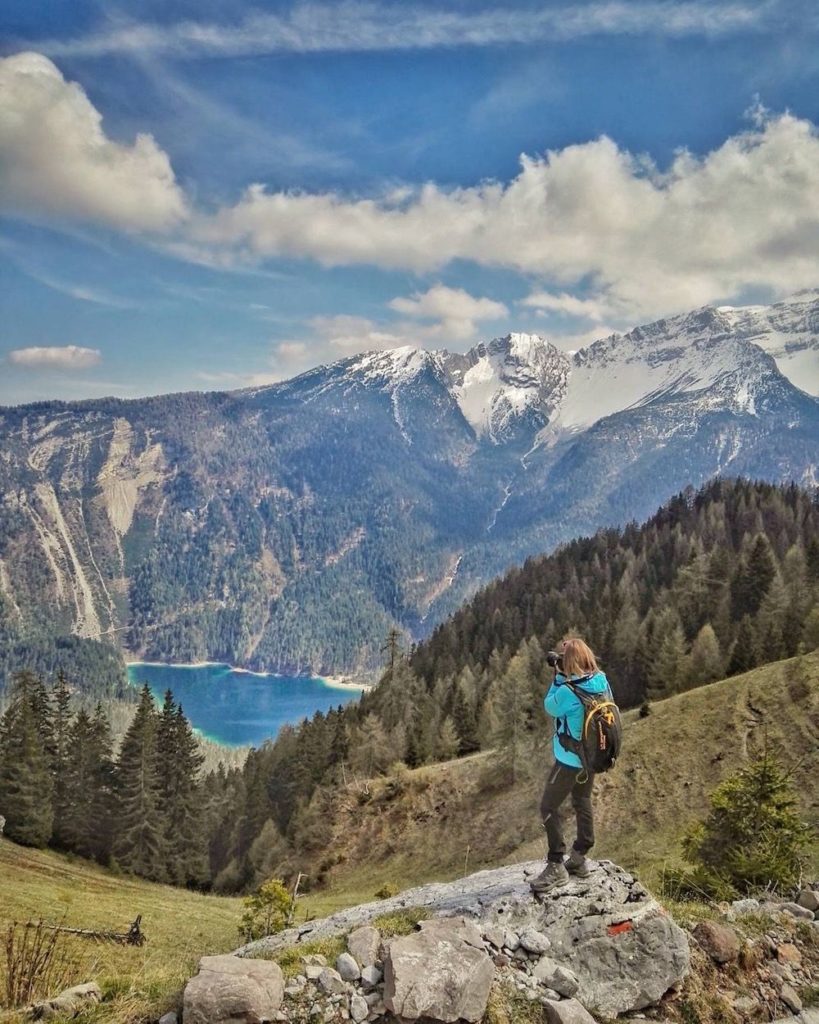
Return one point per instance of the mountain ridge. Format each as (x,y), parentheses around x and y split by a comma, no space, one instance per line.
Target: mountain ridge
(218,524)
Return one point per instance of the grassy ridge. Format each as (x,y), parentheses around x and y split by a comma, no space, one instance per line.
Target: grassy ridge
(180,926)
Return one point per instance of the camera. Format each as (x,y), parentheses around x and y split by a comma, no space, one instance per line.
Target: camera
(555,660)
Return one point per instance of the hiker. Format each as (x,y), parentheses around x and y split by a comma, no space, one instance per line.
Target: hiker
(575,666)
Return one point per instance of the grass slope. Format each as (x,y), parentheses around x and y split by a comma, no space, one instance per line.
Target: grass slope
(443,820)
(180,925)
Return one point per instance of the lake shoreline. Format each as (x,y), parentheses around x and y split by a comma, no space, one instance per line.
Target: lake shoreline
(338,682)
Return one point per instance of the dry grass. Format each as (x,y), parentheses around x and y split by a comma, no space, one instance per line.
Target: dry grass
(180,927)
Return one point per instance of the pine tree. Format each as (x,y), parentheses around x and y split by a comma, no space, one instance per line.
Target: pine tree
(753,836)
(511,707)
(706,659)
(25,778)
(464,717)
(179,801)
(370,752)
(103,786)
(753,578)
(78,824)
(770,621)
(668,668)
(743,656)
(139,842)
(61,698)
(810,631)
(449,742)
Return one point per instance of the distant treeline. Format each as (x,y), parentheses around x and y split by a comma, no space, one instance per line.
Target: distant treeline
(95,668)
(717,582)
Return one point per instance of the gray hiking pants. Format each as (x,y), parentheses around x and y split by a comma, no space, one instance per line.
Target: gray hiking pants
(562,781)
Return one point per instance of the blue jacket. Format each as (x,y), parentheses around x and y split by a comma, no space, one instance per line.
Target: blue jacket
(563,706)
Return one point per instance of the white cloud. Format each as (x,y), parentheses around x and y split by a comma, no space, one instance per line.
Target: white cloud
(745,215)
(456,311)
(56,357)
(362,26)
(568,305)
(439,317)
(57,160)
(640,241)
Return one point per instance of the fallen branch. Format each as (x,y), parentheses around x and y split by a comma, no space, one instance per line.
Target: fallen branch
(133,937)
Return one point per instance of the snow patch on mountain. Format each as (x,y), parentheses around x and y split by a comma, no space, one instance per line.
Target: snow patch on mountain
(696,352)
(495,385)
(788,331)
(394,367)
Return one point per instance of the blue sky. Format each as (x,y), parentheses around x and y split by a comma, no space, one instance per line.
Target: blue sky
(202,195)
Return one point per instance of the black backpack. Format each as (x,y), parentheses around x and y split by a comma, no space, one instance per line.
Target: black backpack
(602,735)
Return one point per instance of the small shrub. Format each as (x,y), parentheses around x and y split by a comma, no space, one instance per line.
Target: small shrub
(809,994)
(400,922)
(290,958)
(266,911)
(387,890)
(35,963)
(752,839)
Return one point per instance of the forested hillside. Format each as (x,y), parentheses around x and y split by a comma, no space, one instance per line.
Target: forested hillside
(718,581)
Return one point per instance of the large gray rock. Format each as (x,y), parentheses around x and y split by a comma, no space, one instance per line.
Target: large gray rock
(364,944)
(606,929)
(442,972)
(230,989)
(68,1003)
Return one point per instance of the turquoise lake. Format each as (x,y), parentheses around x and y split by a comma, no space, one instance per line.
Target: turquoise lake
(234,707)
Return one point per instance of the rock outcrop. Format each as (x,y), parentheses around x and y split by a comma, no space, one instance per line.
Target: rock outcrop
(602,941)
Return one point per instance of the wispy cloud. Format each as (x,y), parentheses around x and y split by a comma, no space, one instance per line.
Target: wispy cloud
(646,241)
(81,292)
(55,357)
(362,26)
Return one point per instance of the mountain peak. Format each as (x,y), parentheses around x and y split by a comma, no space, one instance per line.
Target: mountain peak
(512,382)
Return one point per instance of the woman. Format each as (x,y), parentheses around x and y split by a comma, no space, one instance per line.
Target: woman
(576,665)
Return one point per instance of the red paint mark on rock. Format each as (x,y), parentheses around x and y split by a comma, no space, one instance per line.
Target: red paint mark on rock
(618,929)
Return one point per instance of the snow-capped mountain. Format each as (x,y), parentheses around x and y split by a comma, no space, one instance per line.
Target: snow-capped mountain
(695,352)
(289,526)
(502,388)
(518,384)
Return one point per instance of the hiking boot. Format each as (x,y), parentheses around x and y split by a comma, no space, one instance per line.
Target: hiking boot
(577,865)
(553,874)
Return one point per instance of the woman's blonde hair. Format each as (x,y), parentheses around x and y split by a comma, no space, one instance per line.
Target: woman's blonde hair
(578,658)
